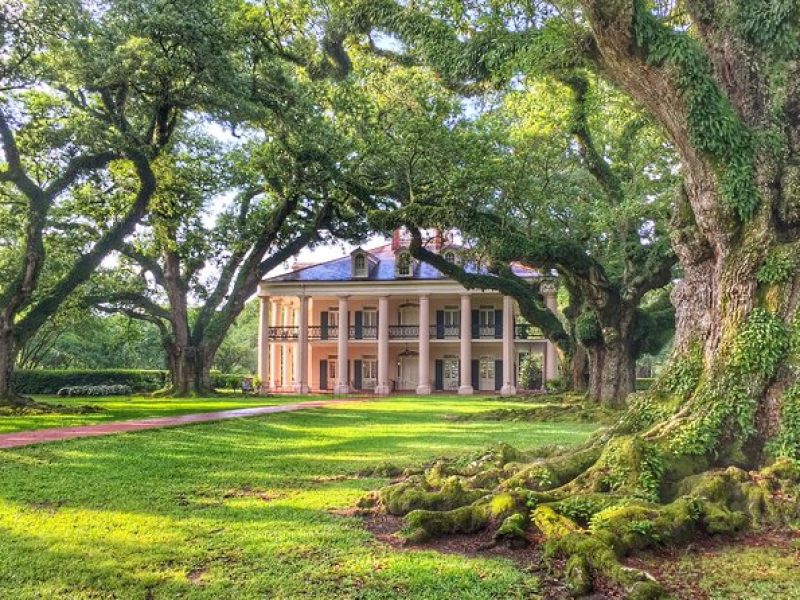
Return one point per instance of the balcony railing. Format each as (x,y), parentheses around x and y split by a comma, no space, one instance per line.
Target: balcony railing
(522,331)
(445,332)
(403,332)
(283,333)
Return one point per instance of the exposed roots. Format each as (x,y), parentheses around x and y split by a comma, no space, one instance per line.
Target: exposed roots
(17,403)
(590,507)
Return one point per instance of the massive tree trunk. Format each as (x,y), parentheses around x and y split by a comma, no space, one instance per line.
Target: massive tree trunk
(683,459)
(189,368)
(612,373)
(7,358)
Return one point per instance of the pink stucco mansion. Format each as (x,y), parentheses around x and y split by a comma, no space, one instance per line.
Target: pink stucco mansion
(379,321)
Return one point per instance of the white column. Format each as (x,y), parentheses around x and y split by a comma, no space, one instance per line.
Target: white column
(263,343)
(342,384)
(551,358)
(301,351)
(509,388)
(275,349)
(424,370)
(383,387)
(466,346)
(286,322)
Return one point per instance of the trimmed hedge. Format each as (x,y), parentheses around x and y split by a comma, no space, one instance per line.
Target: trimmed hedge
(45,381)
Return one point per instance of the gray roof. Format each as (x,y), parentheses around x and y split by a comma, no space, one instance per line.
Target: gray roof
(340,269)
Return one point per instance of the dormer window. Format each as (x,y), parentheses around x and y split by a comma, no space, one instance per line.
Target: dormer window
(359,265)
(449,256)
(404,265)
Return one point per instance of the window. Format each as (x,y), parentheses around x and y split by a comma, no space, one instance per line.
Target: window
(404,264)
(332,368)
(359,265)
(370,323)
(450,256)
(452,316)
(333,317)
(487,368)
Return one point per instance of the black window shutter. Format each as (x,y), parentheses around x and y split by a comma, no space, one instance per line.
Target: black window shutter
(439,324)
(476,315)
(498,375)
(323,325)
(498,323)
(323,374)
(476,365)
(438,375)
(359,327)
(357,373)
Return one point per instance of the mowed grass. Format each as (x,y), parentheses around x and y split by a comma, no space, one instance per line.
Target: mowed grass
(121,408)
(243,508)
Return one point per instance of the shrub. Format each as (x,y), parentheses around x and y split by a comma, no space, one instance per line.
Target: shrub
(44,381)
(95,390)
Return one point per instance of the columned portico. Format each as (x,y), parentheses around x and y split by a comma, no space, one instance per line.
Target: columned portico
(371,323)
(508,388)
(301,351)
(424,386)
(466,346)
(383,387)
(342,372)
(263,343)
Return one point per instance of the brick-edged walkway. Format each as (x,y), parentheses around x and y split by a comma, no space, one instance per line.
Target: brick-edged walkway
(56,434)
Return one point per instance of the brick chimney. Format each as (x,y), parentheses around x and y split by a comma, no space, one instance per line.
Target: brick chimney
(396,239)
(438,240)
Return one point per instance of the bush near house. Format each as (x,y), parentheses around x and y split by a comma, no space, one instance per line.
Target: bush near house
(47,381)
(95,390)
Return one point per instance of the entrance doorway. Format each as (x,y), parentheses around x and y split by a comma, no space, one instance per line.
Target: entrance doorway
(486,379)
(450,379)
(407,371)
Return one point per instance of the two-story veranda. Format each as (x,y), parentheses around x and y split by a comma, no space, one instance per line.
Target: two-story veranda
(378,320)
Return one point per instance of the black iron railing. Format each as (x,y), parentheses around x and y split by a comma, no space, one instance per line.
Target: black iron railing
(523,331)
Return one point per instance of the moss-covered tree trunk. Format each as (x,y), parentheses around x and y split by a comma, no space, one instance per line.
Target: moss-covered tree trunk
(706,450)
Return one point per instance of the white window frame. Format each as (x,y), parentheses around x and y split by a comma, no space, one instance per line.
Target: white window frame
(362,270)
(402,256)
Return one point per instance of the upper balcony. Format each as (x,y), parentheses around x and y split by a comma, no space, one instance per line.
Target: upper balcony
(522,331)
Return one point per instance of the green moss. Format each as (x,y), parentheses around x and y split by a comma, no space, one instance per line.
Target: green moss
(551,524)
(503,504)
(787,442)
(402,498)
(422,525)
(714,126)
(512,527)
(631,465)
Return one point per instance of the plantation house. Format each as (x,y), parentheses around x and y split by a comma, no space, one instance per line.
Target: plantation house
(380,321)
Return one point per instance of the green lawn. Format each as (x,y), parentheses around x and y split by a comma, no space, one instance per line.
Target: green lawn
(120,408)
(241,509)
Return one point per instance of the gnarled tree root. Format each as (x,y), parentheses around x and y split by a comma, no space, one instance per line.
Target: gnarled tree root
(595,519)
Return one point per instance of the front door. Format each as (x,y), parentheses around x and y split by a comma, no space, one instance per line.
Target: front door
(369,373)
(407,372)
(450,374)
(486,373)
